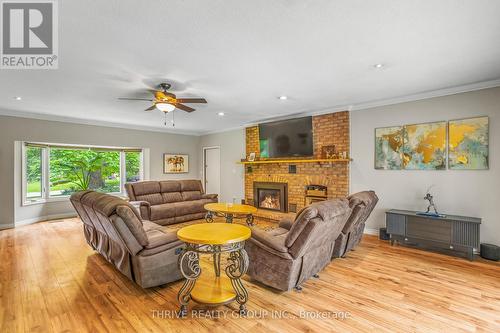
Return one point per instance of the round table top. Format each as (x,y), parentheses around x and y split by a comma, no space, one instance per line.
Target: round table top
(230,208)
(214,233)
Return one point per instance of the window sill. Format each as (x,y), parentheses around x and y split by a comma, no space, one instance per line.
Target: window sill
(65,199)
(44,201)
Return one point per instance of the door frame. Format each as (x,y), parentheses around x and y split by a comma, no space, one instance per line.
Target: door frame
(203,163)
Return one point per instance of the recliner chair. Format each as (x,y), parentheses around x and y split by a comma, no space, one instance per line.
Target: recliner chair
(362,204)
(141,250)
(285,257)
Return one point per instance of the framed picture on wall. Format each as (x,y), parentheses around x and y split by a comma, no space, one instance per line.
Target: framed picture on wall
(175,163)
(468,146)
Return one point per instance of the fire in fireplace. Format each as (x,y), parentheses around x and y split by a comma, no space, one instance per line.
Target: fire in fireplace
(269,199)
(270,195)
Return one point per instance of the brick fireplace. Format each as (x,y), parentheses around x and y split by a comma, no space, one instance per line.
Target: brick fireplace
(329,129)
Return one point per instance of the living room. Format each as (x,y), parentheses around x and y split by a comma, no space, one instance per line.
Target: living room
(258,166)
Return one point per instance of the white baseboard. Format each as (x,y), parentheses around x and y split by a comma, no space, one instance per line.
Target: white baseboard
(371,231)
(6,226)
(43,218)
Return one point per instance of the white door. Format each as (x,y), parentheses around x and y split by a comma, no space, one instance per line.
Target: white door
(212,170)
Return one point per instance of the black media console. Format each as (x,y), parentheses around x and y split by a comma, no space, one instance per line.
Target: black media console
(456,235)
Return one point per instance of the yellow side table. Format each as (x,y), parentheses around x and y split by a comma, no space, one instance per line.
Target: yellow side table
(213,239)
(229,211)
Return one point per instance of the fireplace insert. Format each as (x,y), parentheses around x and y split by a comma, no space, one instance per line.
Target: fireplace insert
(270,195)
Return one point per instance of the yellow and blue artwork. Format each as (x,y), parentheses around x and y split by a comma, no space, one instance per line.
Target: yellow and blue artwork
(388,148)
(424,146)
(468,147)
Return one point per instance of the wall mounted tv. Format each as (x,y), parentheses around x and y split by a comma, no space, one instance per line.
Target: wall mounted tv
(286,138)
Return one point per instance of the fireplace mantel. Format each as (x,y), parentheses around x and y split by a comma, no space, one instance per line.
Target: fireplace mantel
(317,160)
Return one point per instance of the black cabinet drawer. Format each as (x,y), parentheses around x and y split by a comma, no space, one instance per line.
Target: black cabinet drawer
(425,228)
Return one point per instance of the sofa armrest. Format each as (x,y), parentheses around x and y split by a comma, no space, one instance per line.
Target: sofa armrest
(209,196)
(143,207)
(275,242)
(286,223)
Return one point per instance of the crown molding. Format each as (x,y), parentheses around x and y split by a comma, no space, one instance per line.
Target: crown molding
(377,103)
(427,95)
(90,122)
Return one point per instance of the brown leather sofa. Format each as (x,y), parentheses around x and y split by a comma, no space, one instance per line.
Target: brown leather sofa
(170,201)
(285,257)
(362,204)
(141,250)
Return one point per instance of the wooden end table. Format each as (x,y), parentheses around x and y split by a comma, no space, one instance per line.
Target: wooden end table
(213,239)
(230,211)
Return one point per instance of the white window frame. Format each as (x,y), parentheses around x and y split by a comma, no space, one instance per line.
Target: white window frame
(46,170)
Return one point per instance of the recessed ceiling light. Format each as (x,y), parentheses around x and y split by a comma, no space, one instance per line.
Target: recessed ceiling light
(283,98)
(18,98)
(220,114)
(378,66)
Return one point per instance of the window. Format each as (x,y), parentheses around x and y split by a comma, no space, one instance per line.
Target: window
(34,186)
(57,171)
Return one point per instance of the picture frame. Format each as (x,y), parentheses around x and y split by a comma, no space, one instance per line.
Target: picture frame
(175,163)
(468,143)
(251,157)
(328,152)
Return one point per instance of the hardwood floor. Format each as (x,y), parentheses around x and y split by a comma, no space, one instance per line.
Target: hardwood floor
(51,281)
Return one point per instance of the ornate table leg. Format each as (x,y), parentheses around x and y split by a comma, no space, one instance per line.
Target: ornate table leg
(236,268)
(209,217)
(250,220)
(229,218)
(216,257)
(189,266)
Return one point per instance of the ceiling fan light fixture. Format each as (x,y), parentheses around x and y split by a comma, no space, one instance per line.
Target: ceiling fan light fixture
(165,107)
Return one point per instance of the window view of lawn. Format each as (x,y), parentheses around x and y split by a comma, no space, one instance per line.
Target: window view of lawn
(75,169)
(34,172)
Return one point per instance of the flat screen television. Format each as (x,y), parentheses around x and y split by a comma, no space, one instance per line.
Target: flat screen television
(286,138)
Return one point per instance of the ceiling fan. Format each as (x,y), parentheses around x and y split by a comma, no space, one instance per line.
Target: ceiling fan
(166,101)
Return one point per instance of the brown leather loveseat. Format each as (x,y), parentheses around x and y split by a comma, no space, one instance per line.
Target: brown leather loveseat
(170,201)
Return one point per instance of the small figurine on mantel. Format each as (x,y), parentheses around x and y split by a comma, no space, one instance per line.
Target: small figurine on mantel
(429,197)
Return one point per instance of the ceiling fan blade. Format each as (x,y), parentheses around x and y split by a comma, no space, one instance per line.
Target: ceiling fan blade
(151,108)
(135,99)
(184,107)
(191,100)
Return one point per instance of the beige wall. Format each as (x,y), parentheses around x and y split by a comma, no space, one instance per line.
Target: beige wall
(232,149)
(466,192)
(21,129)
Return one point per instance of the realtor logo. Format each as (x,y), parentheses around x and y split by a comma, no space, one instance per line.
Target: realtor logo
(29,34)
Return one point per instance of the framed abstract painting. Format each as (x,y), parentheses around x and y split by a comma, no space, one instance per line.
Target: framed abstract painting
(424,146)
(388,148)
(468,146)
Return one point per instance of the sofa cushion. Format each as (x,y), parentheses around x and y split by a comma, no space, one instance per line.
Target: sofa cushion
(170,186)
(146,187)
(153,199)
(274,240)
(191,195)
(169,197)
(187,207)
(300,223)
(162,211)
(191,185)
(133,223)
